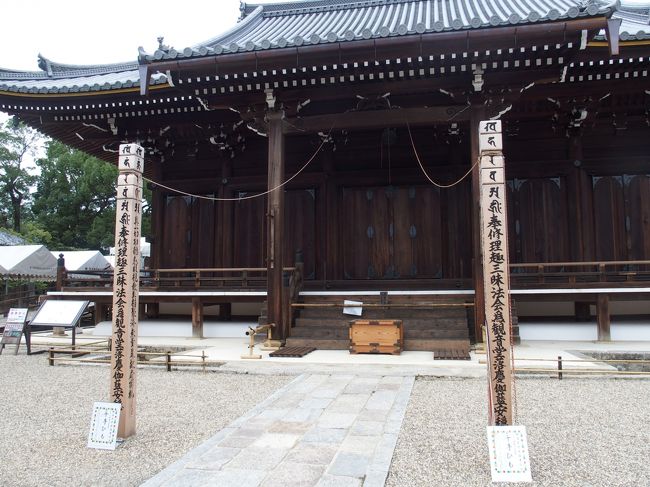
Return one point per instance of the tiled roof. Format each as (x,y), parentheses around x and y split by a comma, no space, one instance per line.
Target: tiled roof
(67,78)
(279,25)
(635,18)
(289,24)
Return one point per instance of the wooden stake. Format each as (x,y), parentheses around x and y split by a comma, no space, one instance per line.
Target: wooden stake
(126,285)
(496,282)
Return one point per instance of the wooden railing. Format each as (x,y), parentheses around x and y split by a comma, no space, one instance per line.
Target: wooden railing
(571,274)
(574,274)
(180,279)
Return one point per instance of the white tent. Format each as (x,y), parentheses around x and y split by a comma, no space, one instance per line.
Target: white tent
(145,251)
(83,260)
(27,260)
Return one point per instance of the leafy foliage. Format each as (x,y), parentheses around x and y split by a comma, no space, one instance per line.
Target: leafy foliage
(75,198)
(17,144)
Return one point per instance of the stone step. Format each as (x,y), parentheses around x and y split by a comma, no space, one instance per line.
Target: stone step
(409,345)
(343,333)
(383,313)
(454,323)
(320,344)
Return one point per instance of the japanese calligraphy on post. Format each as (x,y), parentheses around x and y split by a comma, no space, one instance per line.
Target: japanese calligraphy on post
(494,240)
(103,426)
(126,284)
(509,460)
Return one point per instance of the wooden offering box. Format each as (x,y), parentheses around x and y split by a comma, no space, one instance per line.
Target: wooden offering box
(376,336)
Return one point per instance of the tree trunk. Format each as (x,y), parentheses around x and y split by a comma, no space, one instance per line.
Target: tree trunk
(15,209)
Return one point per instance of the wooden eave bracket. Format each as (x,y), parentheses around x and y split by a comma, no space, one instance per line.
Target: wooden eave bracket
(612,30)
(145,76)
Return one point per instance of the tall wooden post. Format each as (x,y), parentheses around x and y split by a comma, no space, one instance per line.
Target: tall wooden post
(126,285)
(275,224)
(496,276)
(603,318)
(477,114)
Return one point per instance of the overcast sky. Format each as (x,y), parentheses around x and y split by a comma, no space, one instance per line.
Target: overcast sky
(91,31)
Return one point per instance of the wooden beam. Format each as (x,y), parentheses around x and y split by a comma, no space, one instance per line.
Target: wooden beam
(603,318)
(275,224)
(612,31)
(374,119)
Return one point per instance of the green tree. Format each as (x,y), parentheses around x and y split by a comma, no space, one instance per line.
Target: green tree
(75,198)
(18,143)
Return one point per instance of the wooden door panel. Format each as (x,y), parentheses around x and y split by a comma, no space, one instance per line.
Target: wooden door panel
(364,221)
(456,225)
(203,233)
(422,233)
(300,229)
(176,232)
(609,219)
(543,221)
(637,209)
(380,248)
(249,235)
(392,232)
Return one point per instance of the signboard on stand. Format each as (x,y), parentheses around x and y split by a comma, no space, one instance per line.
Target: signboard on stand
(14,328)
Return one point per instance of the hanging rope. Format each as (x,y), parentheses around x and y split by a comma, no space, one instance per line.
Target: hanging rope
(257,195)
(438,185)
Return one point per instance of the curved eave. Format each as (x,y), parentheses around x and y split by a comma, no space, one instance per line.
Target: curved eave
(82,93)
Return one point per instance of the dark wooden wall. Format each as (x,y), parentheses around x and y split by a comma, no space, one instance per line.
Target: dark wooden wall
(365,211)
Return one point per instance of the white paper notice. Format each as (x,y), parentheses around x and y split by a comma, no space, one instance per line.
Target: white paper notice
(352,307)
(103,425)
(17,315)
(509,459)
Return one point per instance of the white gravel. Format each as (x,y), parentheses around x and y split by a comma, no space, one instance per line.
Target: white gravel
(581,432)
(45,417)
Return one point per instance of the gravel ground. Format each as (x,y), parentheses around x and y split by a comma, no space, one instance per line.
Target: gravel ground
(581,432)
(45,418)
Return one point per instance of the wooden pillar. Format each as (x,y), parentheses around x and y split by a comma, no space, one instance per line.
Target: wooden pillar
(100,312)
(60,272)
(328,233)
(225,311)
(602,313)
(157,218)
(197,318)
(477,113)
(275,224)
(582,312)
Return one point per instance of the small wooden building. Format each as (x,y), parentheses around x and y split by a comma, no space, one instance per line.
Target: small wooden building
(318,129)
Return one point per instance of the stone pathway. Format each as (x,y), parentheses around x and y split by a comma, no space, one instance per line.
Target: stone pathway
(319,430)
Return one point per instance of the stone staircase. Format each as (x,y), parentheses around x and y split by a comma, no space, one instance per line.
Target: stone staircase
(425,328)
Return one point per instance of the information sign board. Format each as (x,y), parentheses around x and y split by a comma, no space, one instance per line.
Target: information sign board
(59,313)
(103,425)
(509,459)
(14,328)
